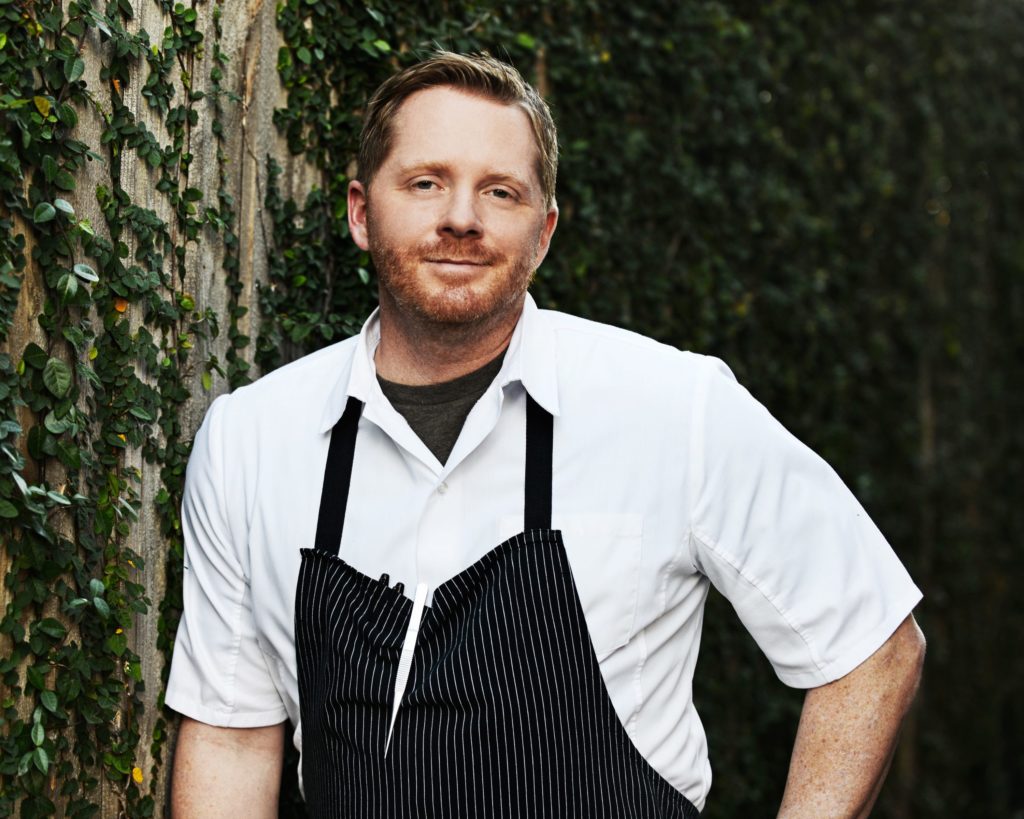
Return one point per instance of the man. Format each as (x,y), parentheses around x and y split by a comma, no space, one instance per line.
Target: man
(341,517)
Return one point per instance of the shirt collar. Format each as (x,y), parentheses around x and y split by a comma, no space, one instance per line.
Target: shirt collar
(530,360)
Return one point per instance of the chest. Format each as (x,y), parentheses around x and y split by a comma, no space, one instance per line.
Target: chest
(617,499)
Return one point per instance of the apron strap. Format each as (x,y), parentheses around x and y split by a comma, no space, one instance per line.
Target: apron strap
(539,435)
(337,479)
(341,454)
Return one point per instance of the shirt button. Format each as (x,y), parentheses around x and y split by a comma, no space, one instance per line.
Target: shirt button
(442,488)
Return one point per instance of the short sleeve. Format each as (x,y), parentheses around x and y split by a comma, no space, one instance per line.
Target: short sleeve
(219,675)
(778,533)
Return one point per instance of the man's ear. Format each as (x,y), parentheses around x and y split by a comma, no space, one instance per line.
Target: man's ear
(550,223)
(357,205)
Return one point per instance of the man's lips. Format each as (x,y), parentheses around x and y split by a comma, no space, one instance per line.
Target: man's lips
(468,262)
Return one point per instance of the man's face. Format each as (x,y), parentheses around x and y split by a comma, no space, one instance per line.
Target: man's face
(455,218)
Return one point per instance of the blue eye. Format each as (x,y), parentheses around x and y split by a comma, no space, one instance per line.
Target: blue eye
(423,184)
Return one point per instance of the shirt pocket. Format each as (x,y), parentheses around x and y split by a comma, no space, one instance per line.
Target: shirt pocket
(604,551)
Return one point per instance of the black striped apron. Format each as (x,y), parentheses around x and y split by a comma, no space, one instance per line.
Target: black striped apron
(505,712)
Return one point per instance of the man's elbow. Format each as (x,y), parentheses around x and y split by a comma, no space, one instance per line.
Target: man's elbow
(906,657)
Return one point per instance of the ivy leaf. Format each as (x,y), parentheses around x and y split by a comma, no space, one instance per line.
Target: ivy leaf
(41,759)
(75,336)
(96,587)
(7,509)
(69,455)
(58,498)
(50,168)
(34,356)
(101,23)
(57,377)
(35,678)
(101,607)
(13,455)
(38,734)
(117,644)
(207,381)
(140,413)
(67,285)
(86,273)
(44,212)
(58,426)
(52,628)
(49,701)
(382,45)
(42,105)
(67,116)
(74,68)
(304,55)
(64,206)
(8,426)
(376,15)
(65,181)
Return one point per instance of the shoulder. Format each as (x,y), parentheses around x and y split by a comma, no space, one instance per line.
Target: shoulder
(288,399)
(591,353)
(248,437)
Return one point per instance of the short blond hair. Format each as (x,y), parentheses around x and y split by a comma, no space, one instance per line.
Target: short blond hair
(475,73)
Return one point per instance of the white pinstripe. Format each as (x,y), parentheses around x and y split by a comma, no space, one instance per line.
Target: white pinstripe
(505,715)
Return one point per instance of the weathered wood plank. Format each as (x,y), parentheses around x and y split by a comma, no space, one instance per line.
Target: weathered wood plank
(250,40)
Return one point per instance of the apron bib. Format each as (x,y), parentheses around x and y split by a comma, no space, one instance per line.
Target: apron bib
(504,713)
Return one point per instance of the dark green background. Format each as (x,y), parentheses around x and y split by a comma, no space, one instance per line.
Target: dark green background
(826,195)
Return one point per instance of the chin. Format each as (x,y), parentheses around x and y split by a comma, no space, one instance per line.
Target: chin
(458,305)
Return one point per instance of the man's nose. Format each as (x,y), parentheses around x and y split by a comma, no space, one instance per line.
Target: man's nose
(461,219)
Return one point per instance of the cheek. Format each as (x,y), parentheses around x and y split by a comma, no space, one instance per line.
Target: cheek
(398,222)
(527,238)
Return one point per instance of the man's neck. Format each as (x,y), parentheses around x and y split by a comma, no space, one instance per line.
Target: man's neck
(414,352)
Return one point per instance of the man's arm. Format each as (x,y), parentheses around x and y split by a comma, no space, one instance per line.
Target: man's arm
(220,771)
(848,731)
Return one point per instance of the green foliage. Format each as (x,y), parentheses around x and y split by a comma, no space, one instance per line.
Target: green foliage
(118,332)
(823,196)
(332,60)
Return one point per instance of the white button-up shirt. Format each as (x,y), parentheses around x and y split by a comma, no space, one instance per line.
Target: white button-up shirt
(667,476)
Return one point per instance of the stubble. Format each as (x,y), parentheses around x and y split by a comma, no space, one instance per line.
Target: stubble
(475,301)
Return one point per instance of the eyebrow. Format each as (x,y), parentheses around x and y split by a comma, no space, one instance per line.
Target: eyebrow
(421,166)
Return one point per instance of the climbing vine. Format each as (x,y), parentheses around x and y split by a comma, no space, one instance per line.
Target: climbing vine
(333,56)
(109,379)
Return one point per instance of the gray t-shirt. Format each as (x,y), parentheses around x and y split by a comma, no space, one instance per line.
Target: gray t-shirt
(436,412)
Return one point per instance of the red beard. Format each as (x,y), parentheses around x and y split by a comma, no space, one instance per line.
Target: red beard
(483,293)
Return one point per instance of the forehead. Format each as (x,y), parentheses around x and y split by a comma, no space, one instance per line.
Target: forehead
(449,126)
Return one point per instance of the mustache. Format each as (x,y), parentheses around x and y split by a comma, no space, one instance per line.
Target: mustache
(451,248)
